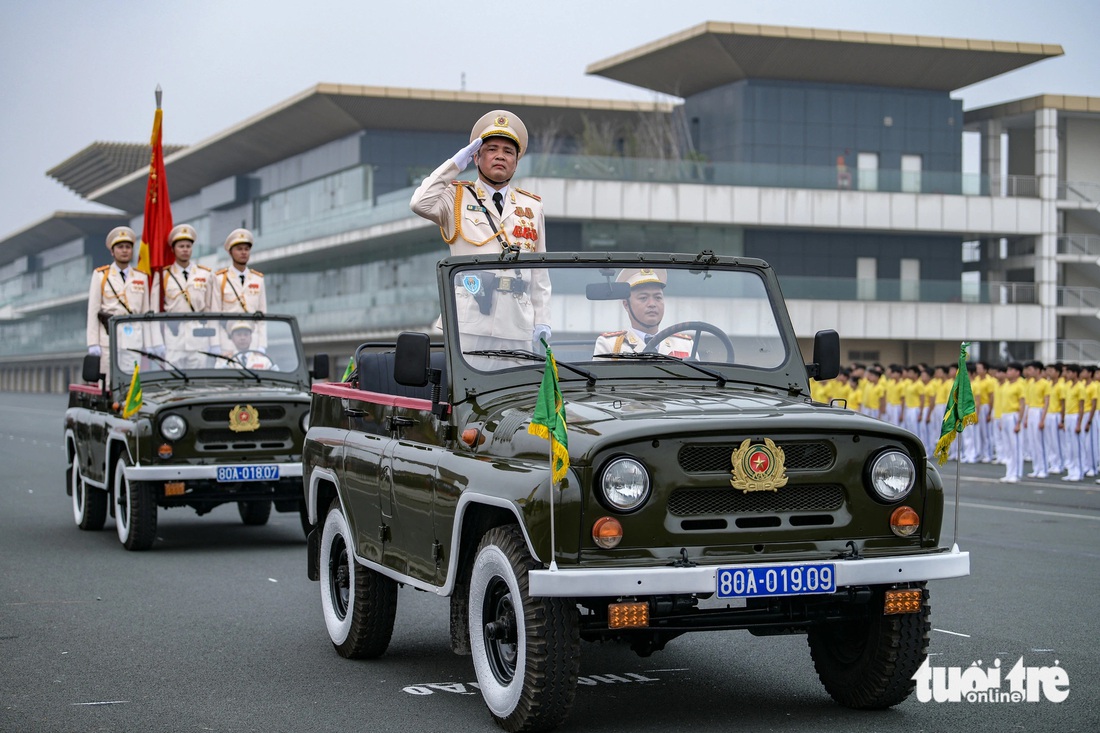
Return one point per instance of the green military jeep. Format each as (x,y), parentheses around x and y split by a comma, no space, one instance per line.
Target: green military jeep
(223,413)
(705,489)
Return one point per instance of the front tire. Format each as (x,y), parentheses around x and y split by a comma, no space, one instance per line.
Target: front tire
(526,650)
(89,505)
(359,604)
(135,510)
(254,513)
(868,663)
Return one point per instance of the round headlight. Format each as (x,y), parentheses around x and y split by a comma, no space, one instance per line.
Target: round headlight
(625,484)
(893,475)
(303,422)
(173,427)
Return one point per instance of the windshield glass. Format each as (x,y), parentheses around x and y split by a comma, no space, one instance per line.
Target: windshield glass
(603,315)
(187,343)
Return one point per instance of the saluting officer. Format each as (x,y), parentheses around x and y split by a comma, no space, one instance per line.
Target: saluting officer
(187,288)
(646,309)
(484,217)
(117,289)
(239,289)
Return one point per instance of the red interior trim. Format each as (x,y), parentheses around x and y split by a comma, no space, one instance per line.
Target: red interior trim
(86,389)
(345,391)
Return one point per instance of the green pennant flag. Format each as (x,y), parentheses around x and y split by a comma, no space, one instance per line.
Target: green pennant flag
(960,409)
(548,420)
(349,370)
(133,397)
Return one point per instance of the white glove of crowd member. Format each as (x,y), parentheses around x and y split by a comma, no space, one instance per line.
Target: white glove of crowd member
(159,350)
(94,350)
(464,157)
(542,331)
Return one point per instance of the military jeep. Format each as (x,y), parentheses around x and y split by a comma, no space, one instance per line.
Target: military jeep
(705,490)
(221,418)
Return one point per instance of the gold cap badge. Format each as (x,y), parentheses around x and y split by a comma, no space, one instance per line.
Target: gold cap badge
(758,467)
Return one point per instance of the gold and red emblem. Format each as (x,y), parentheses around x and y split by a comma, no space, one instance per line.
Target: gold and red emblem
(244,418)
(758,467)
(501,121)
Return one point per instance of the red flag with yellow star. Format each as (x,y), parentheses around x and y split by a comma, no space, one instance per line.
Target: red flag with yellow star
(155,254)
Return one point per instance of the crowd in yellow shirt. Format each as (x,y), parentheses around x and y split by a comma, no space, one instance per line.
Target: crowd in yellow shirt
(1027,412)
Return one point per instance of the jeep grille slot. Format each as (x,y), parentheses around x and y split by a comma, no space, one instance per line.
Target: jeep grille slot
(808,498)
(221,414)
(217,439)
(715,458)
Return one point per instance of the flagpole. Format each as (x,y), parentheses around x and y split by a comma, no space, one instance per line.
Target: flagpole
(553,544)
(958,485)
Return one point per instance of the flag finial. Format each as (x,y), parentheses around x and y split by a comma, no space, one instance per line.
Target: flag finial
(159,93)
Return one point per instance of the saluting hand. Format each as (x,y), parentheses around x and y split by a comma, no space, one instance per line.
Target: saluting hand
(464,157)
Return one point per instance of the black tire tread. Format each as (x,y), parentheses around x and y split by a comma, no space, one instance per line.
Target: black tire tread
(254,513)
(142,512)
(373,610)
(95,507)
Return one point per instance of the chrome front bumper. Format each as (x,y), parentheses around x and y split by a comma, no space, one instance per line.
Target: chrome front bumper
(581,583)
(193,473)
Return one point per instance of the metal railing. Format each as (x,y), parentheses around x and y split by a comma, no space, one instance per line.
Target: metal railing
(1078,297)
(923,291)
(1087,245)
(1077,350)
(1086,191)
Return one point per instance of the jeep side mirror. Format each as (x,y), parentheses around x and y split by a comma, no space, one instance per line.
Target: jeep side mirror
(320,366)
(89,370)
(607,291)
(826,364)
(412,359)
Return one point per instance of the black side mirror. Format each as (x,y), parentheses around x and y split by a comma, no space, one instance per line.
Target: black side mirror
(412,359)
(320,366)
(607,291)
(826,364)
(89,370)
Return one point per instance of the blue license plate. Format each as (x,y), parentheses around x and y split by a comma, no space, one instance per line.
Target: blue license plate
(228,474)
(777,580)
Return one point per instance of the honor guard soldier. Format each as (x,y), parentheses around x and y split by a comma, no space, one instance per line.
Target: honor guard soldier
(484,217)
(187,287)
(238,289)
(646,308)
(117,289)
(240,333)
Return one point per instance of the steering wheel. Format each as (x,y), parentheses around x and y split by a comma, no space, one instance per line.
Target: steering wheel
(699,327)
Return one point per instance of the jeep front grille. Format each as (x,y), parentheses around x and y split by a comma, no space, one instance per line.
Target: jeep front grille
(809,498)
(712,458)
(223,439)
(221,414)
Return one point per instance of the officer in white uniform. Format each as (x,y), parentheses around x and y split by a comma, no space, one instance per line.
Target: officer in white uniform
(240,332)
(187,287)
(239,289)
(117,289)
(496,310)
(646,308)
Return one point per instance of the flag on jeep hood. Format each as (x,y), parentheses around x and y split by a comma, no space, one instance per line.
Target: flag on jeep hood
(548,421)
(133,397)
(960,410)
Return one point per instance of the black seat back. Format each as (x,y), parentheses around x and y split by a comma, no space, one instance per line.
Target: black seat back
(376,375)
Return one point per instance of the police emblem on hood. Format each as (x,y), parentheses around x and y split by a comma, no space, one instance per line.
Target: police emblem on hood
(758,467)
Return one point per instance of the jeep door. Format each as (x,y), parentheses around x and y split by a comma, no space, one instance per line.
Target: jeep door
(367,442)
(408,486)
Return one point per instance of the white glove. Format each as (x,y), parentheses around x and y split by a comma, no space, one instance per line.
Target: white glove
(464,157)
(159,350)
(94,350)
(542,331)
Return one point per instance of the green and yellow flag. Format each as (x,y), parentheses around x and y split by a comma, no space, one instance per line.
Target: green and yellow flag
(960,409)
(133,397)
(349,370)
(548,420)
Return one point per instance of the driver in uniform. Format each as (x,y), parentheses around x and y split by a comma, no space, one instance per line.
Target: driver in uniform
(646,308)
(240,333)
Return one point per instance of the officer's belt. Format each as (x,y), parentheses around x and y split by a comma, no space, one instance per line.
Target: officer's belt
(504,283)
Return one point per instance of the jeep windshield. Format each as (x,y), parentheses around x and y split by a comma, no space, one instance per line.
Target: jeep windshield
(181,346)
(609,319)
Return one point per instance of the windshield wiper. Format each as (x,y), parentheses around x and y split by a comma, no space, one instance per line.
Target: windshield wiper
(655,356)
(532,356)
(175,369)
(234,362)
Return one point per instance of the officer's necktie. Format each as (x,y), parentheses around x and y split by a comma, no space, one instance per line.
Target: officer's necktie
(122,274)
(498,199)
(242,278)
(648,337)
(185,275)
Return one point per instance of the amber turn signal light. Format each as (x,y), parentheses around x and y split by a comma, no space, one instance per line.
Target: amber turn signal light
(633,615)
(472,437)
(902,601)
(905,521)
(607,532)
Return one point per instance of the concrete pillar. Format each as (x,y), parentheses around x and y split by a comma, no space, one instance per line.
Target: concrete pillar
(991,156)
(1046,249)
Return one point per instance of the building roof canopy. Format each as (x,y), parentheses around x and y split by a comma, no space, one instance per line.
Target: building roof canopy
(713,54)
(57,229)
(102,162)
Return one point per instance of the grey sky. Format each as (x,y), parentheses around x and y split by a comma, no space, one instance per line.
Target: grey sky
(76,71)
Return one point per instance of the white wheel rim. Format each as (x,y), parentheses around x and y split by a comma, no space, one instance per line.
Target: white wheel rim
(77,487)
(501,699)
(336,527)
(122,509)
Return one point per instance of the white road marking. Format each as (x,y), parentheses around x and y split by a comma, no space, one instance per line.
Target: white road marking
(1019,510)
(103,702)
(953,633)
(1088,485)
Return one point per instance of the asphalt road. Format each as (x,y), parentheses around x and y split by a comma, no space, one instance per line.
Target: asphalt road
(218,629)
